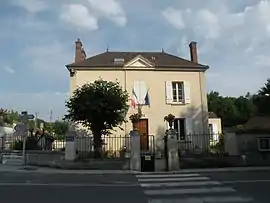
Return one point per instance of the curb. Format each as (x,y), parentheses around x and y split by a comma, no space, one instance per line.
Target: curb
(30,169)
(206,170)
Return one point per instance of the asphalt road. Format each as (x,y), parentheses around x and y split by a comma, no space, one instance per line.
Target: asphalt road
(120,188)
(67,188)
(252,183)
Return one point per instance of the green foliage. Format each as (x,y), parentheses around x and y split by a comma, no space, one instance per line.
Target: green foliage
(100,106)
(4,117)
(233,111)
(60,127)
(262,100)
(31,144)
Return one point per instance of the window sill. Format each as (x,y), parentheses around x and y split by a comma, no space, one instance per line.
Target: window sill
(178,103)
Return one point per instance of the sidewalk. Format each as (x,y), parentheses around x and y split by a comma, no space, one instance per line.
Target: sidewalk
(32,169)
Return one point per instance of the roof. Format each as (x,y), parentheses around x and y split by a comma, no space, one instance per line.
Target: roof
(258,122)
(159,59)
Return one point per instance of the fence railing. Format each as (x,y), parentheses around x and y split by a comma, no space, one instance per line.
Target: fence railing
(112,146)
(200,143)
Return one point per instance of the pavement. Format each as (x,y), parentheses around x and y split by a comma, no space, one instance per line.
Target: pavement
(207,187)
(67,188)
(33,169)
(27,185)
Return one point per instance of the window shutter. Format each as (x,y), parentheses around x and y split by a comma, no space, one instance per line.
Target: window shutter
(215,131)
(136,89)
(143,91)
(189,126)
(187,92)
(169,92)
(215,128)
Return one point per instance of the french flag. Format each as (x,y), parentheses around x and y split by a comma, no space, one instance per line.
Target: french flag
(134,99)
(146,99)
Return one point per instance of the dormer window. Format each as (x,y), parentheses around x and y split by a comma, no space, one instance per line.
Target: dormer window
(119,60)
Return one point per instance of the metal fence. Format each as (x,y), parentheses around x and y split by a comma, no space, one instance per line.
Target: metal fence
(201,143)
(113,147)
(15,142)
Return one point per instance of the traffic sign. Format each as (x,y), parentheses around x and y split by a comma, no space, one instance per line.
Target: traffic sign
(30,116)
(19,127)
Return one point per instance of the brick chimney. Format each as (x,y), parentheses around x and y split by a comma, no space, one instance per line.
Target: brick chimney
(79,52)
(193,52)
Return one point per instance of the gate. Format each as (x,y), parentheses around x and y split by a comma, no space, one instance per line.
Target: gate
(148,154)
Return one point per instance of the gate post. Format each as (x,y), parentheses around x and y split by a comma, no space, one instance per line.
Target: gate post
(173,158)
(71,146)
(135,151)
(166,156)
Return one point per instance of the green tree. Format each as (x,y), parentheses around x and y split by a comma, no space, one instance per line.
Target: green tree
(4,117)
(99,106)
(233,111)
(245,108)
(262,100)
(60,128)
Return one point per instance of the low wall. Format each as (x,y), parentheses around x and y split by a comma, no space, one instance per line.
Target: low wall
(44,157)
(38,157)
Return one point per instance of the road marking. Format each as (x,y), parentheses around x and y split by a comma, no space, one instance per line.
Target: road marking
(189,191)
(68,185)
(167,175)
(180,184)
(171,179)
(218,199)
(245,181)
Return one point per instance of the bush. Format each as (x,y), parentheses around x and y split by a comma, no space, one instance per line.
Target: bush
(31,144)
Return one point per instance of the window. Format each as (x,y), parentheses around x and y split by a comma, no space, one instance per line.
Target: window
(178,91)
(211,132)
(119,60)
(179,127)
(264,144)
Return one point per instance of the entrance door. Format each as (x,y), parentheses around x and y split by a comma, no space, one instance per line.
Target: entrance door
(142,127)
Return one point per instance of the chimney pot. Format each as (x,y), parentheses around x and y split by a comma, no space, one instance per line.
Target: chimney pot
(79,51)
(193,52)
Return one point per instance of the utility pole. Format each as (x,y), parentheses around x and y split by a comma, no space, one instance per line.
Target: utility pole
(36,121)
(24,118)
(51,116)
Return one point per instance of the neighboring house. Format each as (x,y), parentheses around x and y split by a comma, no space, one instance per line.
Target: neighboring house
(158,81)
(215,128)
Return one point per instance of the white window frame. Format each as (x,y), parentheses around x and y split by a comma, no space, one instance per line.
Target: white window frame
(178,83)
(259,146)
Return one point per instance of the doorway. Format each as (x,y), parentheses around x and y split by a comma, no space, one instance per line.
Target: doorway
(142,127)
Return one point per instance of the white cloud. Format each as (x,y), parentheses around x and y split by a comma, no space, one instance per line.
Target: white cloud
(32,6)
(175,17)
(9,69)
(85,15)
(78,15)
(111,9)
(230,40)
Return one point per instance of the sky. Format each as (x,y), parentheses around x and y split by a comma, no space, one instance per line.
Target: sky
(37,41)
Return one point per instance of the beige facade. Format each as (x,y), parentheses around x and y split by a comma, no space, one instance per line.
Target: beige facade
(188,104)
(215,124)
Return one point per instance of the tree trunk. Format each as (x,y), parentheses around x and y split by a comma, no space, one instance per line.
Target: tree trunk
(97,144)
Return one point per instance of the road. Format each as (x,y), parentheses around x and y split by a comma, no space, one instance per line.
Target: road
(214,187)
(69,188)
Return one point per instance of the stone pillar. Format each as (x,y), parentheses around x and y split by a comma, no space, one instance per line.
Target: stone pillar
(135,151)
(71,146)
(173,158)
